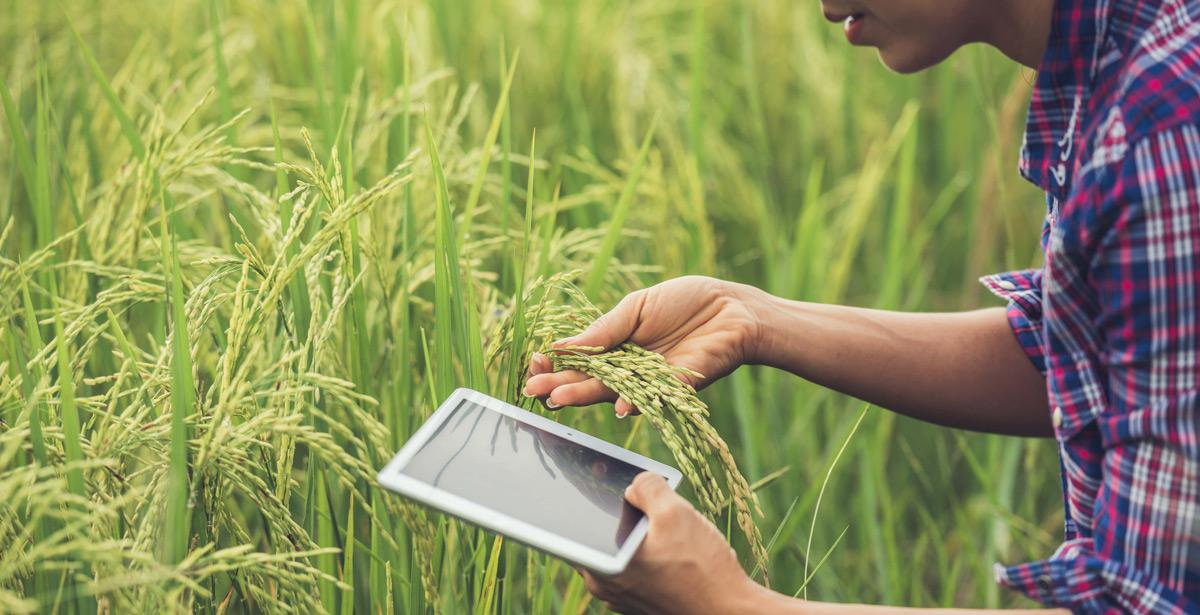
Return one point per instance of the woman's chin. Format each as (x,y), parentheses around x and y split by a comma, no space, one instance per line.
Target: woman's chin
(907,61)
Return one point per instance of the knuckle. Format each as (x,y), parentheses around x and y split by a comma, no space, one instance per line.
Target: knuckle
(642,481)
(695,280)
(637,299)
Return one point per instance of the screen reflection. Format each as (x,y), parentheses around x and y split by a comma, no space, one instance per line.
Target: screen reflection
(531,475)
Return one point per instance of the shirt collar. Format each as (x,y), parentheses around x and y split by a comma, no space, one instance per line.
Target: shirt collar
(1060,93)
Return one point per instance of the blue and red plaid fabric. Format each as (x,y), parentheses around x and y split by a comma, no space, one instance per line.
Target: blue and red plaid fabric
(1113,316)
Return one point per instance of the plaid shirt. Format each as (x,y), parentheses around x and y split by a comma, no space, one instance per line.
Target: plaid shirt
(1111,318)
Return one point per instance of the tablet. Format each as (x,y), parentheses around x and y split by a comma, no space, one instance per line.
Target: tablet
(536,481)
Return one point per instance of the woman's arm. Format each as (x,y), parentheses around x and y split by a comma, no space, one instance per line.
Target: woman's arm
(777,604)
(684,565)
(961,369)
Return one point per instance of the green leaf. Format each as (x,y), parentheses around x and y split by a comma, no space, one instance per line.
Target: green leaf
(608,248)
(821,493)
(129,129)
(517,354)
(489,142)
(448,309)
(487,603)
(179,527)
(223,95)
(68,411)
(31,379)
(348,562)
(21,149)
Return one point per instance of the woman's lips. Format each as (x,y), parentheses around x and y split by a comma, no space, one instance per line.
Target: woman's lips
(853,25)
(840,16)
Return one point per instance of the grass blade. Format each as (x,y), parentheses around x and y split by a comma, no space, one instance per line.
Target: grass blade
(620,211)
(223,95)
(69,412)
(72,434)
(812,529)
(489,142)
(21,149)
(517,356)
(487,602)
(323,517)
(348,562)
(547,234)
(128,128)
(32,379)
(179,529)
(809,575)
(447,302)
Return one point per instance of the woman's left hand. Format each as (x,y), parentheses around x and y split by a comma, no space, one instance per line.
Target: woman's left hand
(684,565)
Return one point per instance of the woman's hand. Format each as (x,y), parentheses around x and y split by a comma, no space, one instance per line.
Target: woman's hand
(684,565)
(704,324)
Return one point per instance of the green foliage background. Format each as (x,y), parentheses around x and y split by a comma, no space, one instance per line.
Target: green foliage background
(194,397)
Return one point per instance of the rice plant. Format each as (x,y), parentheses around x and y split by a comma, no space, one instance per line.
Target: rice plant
(247,247)
(660,392)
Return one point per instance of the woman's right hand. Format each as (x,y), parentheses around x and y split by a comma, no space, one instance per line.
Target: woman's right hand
(704,324)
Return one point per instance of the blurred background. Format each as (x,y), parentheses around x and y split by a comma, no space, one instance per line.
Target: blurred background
(780,157)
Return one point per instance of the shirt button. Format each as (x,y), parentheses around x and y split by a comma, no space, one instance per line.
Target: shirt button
(1057,417)
(1006,285)
(1045,583)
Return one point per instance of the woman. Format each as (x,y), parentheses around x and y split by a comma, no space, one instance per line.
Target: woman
(1098,348)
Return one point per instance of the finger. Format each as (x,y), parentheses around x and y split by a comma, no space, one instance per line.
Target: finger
(585,393)
(650,493)
(624,408)
(613,327)
(687,379)
(539,364)
(628,520)
(541,384)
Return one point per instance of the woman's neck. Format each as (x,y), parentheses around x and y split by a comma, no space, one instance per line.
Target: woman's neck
(1020,29)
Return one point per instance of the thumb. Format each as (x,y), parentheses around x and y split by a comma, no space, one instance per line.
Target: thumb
(614,327)
(650,493)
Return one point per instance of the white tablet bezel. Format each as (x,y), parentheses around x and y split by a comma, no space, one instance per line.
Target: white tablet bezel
(467,510)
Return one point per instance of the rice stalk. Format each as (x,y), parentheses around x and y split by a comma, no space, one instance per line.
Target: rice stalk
(659,391)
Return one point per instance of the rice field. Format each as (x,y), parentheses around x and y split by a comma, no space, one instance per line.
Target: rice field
(246,247)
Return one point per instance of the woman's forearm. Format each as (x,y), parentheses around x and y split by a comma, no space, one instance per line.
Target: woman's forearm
(765,601)
(961,369)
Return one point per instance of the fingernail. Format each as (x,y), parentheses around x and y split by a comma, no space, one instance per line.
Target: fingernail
(526,393)
(566,341)
(621,415)
(537,357)
(551,405)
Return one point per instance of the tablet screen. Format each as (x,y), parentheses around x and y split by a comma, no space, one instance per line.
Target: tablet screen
(529,474)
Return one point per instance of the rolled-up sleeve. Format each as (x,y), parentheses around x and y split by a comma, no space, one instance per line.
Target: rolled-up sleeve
(1023,291)
(1079,580)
